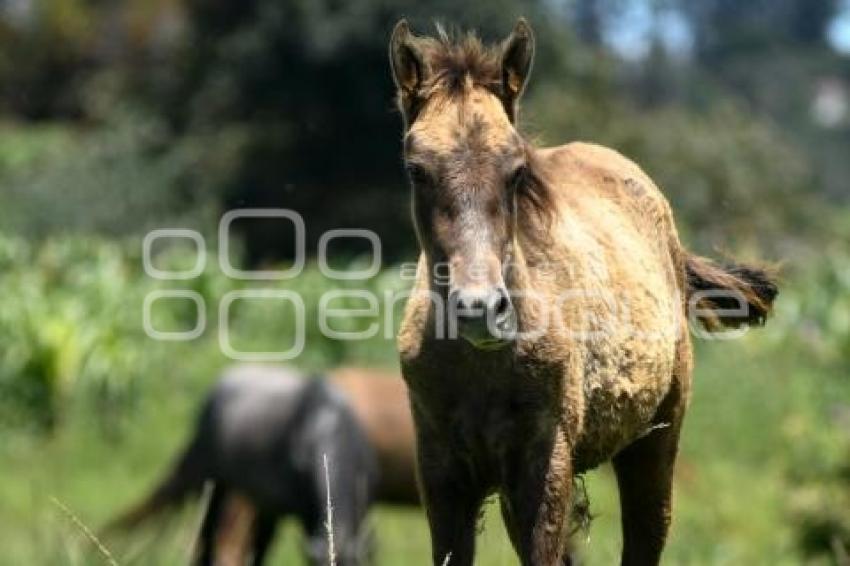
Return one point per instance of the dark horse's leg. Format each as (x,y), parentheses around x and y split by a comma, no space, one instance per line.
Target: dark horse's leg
(645,477)
(536,502)
(264,531)
(243,532)
(452,502)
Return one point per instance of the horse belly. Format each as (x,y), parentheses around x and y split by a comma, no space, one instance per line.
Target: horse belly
(622,393)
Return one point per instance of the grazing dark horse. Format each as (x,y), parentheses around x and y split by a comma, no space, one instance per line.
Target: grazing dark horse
(262,437)
(547,330)
(379,402)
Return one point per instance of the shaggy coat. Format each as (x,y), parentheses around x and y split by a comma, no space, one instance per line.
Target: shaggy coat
(591,356)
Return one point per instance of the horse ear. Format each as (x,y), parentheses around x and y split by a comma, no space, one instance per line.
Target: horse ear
(517,58)
(406,63)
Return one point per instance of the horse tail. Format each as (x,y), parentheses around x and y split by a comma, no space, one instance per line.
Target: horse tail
(730,295)
(186,477)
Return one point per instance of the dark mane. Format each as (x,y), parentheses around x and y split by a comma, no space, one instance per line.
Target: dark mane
(453,58)
(535,197)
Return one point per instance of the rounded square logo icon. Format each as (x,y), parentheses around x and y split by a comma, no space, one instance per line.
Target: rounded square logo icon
(261,294)
(181,335)
(262,274)
(200,250)
(349,274)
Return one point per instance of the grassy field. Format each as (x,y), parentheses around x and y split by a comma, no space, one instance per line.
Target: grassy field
(755,416)
(764,445)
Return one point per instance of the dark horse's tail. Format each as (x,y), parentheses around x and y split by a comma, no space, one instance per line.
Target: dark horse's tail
(731,295)
(185,478)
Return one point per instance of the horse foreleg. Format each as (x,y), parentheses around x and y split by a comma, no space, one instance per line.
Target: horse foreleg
(263,537)
(536,503)
(645,477)
(235,533)
(452,503)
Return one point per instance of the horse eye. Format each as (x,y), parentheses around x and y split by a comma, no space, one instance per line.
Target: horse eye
(418,174)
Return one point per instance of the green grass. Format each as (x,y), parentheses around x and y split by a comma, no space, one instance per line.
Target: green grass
(753,418)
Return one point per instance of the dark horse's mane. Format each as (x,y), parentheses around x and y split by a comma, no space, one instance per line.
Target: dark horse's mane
(453,59)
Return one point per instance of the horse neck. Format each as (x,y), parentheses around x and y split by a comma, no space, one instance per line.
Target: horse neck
(527,280)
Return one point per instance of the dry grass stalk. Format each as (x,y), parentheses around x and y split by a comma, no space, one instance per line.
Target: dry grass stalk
(101,548)
(330,515)
(206,497)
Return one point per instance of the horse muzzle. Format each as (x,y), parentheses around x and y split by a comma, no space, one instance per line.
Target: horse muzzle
(485,317)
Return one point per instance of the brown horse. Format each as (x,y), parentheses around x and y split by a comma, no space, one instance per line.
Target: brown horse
(547,330)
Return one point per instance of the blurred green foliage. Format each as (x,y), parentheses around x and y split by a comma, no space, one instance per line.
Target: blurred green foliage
(71,322)
(139,113)
(66,328)
(113,181)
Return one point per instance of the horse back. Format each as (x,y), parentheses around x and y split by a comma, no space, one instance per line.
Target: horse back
(614,233)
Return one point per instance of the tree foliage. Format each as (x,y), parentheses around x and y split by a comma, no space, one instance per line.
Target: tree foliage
(264,103)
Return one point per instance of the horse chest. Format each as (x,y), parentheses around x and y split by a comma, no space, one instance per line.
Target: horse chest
(483,411)
(489,431)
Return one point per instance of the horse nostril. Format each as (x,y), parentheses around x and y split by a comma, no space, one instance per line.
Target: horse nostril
(502,303)
(480,306)
(469,306)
